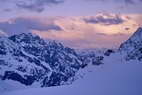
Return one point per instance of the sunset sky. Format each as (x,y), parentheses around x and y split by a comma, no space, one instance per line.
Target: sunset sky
(75,23)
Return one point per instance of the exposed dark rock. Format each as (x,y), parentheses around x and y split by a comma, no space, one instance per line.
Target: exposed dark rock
(46,62)
(108,52)
(133,46)
(11,75)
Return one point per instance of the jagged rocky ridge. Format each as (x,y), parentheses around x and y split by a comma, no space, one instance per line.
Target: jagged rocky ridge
(91,56)
(28,59)
(132,48)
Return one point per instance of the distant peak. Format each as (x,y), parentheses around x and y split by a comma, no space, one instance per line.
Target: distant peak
(133,42)
(139,29)
(28,35)
(25,37)
(138,32)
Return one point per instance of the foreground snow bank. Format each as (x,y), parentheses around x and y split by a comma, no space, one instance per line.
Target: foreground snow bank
(115,77)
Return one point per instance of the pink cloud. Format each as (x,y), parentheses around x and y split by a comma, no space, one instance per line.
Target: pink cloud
(75,32)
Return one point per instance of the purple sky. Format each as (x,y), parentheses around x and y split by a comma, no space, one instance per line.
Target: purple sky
(11,8)
(77,23)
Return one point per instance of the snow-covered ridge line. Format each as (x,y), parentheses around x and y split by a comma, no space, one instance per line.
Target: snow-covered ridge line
(132,48)
(29,59)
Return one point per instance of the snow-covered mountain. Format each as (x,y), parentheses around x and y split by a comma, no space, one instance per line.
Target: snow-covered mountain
(112,78)
(133,46)
(28,59)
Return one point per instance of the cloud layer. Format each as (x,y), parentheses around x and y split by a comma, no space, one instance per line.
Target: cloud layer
(125,1)
(106,19)
(22,25)
(32,5)
(36,5)
(106,31)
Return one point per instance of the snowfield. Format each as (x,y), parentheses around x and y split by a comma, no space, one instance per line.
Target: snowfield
(114,77)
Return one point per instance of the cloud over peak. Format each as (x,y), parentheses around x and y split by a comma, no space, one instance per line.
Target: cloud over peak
(105,19)
(22,25)
(106,30)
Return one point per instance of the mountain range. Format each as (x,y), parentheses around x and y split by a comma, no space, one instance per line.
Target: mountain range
(28,59)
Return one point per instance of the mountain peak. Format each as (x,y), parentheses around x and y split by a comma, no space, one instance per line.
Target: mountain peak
(24,37)
(140,28)
(134,40)
(27,59)
(133,46)
(138,33)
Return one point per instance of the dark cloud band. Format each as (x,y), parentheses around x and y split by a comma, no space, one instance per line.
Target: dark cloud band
(37,5)
(125,1)
(32,5)
(22,25)
(105,19)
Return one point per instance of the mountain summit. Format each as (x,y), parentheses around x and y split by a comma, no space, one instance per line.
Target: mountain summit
(133,46)
(28,59)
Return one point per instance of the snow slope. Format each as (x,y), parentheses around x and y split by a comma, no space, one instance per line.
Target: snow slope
(115,77)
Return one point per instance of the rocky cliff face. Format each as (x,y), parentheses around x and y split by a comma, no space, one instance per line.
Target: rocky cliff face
(133,46)
(28,59)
